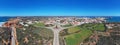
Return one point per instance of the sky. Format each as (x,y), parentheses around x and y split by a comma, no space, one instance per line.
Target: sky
(59,7)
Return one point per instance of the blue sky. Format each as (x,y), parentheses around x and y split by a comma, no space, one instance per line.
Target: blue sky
(59,7)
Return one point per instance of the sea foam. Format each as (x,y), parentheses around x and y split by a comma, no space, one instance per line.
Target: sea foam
(1,23)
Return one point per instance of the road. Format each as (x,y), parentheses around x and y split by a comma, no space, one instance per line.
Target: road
(13,37)
(56,33)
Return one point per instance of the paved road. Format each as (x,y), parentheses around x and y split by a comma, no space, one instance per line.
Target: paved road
(56,33)
(13,37)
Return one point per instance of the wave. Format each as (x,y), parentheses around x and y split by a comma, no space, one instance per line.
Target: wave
(1,23)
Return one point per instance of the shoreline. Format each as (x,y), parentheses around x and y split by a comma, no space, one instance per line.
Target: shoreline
(1,23)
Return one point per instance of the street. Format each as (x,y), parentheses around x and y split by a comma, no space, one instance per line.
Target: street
(13,37)
(56,33)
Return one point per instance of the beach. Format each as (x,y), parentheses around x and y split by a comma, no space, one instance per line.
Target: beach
(1,23)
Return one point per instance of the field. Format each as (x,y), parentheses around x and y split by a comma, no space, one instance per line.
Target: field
(75,39)
(79,33)
(67,25)
(73,29)
(39,24)
(34,35)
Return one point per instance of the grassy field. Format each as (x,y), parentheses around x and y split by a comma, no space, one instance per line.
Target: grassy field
(75,39)
(39,24)
(99,27)
(73,29)
(67,25)
(85,31)
(91,26)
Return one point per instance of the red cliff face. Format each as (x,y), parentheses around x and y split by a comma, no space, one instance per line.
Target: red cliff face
(13,22)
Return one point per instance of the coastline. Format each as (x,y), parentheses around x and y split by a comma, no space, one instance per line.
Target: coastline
(1,23)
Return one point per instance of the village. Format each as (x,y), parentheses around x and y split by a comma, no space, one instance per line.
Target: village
(53,28)
(51,21)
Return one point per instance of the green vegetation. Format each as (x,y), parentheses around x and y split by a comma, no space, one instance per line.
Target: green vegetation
(75,39)
(35,35)
(45,33)
(5,34)
(79,33)
(67,25)
(39,24)
(92,26)
(73,29)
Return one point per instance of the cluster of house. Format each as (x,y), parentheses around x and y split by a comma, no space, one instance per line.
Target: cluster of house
(53,21)
(73,21)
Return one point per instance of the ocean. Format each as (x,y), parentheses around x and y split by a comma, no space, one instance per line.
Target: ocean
(107,18)
(113,19)
(4,19)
